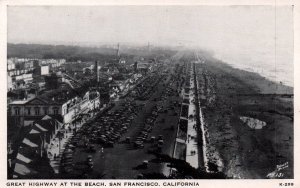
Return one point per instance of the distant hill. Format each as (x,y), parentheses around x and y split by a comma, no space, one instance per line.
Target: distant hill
(74,53)
(58,51)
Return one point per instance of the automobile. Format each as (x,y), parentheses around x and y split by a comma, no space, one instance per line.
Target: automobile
(160,137)
(140,146)
(140,138)
(68,169)
(102,140)
(145,164)
(91,148)
(90,162)
(140,176)
(93,140)
(67,156)
(112,138)
(109,144)
(152,139)
(123,129)
(113,135)
(116,134)
(136,143)
(89,157)
(145,136)
(160,142)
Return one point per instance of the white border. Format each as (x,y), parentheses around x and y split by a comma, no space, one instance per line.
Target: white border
(203,183)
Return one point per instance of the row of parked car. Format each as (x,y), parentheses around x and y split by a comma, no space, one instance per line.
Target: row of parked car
(150,120)
(109,127)
(67,163)
(147,128)
(144,90)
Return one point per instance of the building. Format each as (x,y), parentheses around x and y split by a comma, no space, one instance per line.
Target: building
(45,70)
(10,65)
(19,66)
(122,60)
(64,102)
(53,63)
(25,112)
(9,83)
(143,67)
(27,78)
(76,106)
(88,70)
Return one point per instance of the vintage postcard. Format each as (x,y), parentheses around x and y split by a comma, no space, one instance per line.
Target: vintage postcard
(149,93)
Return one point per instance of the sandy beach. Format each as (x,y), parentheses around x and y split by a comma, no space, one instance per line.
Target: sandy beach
(247,151)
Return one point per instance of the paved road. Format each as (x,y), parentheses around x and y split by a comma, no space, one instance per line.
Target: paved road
(122,161)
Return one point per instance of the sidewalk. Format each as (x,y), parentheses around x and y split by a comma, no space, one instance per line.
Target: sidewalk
(191,142)
(54,149)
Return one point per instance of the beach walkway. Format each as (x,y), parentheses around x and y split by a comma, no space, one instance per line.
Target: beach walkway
(191,142)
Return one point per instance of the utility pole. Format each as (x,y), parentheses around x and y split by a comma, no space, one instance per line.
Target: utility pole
(118,51)
(59,143)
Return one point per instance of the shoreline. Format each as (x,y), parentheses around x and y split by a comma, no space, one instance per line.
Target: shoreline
(229,93)
(263,71)
(260,76)
(267,77)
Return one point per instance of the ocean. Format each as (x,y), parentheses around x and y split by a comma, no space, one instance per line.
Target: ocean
(281,71)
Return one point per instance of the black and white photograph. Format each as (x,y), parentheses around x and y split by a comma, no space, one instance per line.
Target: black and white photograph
(165,92)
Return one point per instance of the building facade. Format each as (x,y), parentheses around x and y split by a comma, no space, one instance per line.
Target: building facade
(25,112)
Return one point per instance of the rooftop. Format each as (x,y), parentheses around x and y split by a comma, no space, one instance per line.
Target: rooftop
(56,96)
(19,102)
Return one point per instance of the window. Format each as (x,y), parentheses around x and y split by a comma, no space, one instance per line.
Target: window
(28,111)
(46,110)
(37,111)
(55,110)
(17,111)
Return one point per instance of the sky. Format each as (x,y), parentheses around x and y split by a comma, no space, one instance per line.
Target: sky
(239,34)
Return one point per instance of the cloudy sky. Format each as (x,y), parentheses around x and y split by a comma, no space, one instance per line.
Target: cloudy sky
(236,26)
(235,33)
